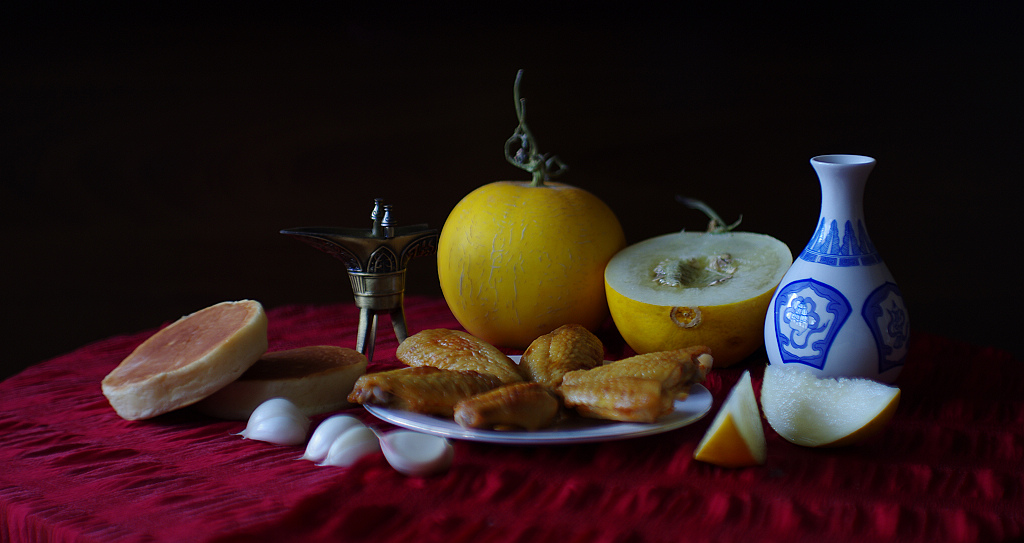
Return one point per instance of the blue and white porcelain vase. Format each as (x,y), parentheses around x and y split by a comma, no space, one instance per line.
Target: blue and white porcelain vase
(838,310)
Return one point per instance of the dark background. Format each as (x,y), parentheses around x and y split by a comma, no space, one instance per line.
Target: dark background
(149,156)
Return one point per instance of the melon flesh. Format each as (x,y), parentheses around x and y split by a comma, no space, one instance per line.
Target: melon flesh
(759,263)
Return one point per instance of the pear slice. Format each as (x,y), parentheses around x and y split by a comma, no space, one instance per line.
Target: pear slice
(829,412)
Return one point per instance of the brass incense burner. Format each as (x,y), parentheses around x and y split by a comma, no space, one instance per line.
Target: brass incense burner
(376,259)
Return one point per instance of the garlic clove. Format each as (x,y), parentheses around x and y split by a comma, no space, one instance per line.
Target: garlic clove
(281,430)
(325,434)
(275,407)
(289,426)
(416,454)
(352,445)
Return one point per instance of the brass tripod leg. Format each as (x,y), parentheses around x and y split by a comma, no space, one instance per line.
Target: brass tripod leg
(367,335)
(398,322)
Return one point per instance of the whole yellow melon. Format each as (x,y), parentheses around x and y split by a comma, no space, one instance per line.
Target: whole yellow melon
(515,261)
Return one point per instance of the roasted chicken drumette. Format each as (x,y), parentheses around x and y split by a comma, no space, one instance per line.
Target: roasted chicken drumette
(626,399)
(426,390)
(636,389)
(527,406)
(457,350)
(533,404)
(568,348)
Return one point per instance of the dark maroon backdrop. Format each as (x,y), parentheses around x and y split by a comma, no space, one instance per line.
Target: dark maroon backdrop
(149,156)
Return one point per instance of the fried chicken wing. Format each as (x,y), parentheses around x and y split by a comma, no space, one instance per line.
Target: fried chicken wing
(675,370)
(624,398)
(457,350)
(426,390)
(568,348)
(641,388)
(529,406)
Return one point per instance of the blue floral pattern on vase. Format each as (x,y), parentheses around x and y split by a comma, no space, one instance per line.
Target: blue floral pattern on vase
(808,316)
(886,317)
(852,248)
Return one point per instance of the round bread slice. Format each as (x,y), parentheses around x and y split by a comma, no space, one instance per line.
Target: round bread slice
(188,360)
(317,379)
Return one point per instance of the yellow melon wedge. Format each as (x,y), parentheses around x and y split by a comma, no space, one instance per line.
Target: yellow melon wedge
(736,437)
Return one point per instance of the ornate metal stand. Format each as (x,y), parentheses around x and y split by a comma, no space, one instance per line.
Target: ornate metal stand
(376,259)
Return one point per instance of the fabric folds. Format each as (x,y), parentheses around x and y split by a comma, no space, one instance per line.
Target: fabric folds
(947,468)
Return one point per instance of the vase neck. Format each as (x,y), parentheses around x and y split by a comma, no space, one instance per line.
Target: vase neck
(841,238)
(842,179)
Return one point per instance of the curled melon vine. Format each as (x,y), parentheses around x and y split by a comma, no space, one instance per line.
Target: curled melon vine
(521,148)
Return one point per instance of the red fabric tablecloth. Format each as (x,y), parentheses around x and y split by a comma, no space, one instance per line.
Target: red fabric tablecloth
(947,468)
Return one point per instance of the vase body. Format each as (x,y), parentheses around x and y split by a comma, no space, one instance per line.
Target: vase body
(838,310)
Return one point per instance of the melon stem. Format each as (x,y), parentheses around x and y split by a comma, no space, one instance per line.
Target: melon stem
(716,225)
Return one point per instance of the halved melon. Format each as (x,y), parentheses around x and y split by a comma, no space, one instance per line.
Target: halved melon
(690,288)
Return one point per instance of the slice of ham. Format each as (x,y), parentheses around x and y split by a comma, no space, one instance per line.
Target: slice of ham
(188,360)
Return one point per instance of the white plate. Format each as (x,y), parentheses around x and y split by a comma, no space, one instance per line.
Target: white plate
(577,430)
